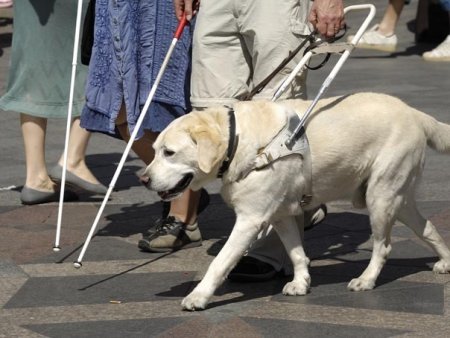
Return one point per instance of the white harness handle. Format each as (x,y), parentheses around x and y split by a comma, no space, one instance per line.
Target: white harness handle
(344,48)
(292,138)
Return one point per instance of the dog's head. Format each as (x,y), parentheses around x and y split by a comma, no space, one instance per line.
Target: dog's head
(188,154)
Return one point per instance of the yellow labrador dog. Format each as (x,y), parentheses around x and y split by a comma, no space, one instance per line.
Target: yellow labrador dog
(366,147)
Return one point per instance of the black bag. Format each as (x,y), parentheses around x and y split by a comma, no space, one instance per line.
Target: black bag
(87,37)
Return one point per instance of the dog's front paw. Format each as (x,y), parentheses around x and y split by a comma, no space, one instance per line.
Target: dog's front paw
(359,284)
(296,288)
(194,301)
(441,266)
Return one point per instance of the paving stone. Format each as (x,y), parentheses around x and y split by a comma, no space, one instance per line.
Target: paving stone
(396,296)
(237,327)
(10,269)
(116,328)
(101,289)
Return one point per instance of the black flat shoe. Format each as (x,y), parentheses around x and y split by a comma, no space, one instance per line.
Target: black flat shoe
(29,196)
(250,269)
(76,182)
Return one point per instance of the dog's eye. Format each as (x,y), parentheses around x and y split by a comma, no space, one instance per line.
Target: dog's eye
(168,153)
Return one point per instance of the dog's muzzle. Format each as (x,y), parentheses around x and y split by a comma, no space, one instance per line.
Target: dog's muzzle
(178,189)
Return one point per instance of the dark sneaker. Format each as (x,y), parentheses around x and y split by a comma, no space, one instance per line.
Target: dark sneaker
(250,269)
(170,234)
(315,216)
(202,204)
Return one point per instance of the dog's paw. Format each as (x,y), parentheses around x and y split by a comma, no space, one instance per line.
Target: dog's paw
(441,266)
(359,284)
(194,301)
(296,288)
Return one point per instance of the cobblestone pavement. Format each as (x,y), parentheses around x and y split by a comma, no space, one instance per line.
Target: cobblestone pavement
(122,292)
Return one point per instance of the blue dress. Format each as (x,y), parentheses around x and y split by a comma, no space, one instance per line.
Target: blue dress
(131,39)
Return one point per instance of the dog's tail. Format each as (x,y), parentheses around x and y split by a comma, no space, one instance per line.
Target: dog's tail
(437,133)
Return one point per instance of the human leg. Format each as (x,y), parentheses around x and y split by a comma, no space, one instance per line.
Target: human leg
(442,51)
(382,36)
(268,45)
(230,56)
(76,152)
(391,16)
(182,215)
(221,70)
(267,254)
(78,175)
(38,188)
(33,132)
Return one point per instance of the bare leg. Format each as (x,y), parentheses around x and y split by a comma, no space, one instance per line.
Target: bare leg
(33,132)
(185,207)
(76,152)
(391,16)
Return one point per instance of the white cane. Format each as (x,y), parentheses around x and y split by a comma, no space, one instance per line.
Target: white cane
(56,247)
(175,39)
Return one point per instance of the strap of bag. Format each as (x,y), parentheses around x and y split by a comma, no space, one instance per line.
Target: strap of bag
(87,37)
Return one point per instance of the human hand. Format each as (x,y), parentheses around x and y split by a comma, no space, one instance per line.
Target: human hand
(327,16)
(188,7)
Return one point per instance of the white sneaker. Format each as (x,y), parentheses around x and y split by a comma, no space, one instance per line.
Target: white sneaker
(6,3)
(373,39)
(440,53)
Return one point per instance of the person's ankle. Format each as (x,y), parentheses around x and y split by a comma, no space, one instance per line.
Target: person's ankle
(79,168)
(184,218)
(41,184)
(385,32)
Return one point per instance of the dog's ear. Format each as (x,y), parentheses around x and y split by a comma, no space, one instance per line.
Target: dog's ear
(209,148)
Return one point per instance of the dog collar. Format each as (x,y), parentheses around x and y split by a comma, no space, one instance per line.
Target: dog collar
(232,142)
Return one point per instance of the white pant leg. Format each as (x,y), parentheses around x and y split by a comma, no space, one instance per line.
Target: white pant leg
(271,29)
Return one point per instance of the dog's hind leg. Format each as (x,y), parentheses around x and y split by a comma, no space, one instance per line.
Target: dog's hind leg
(244,232)
(383,205)
(290,235)
(425,230)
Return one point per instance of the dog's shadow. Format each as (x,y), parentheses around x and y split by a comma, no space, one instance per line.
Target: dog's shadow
(216,222)
(343,239)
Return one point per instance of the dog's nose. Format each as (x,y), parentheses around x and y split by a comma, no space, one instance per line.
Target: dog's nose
(144,179)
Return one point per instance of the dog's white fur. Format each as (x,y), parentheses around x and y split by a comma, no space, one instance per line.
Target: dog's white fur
(366,147)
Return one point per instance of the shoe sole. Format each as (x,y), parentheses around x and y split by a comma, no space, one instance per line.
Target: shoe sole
(145,246)
(381,48)
(437,59)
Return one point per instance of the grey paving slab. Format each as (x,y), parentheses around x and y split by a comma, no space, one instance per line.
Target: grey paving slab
(10,269)
(283,328)
(100,249)
(60,291)
(117,328)
(396,296)
(170,327)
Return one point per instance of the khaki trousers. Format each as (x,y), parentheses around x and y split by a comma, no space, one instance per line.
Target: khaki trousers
(237,43)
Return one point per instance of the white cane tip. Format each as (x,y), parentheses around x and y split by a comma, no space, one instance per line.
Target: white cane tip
(56,249)
(77,265)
